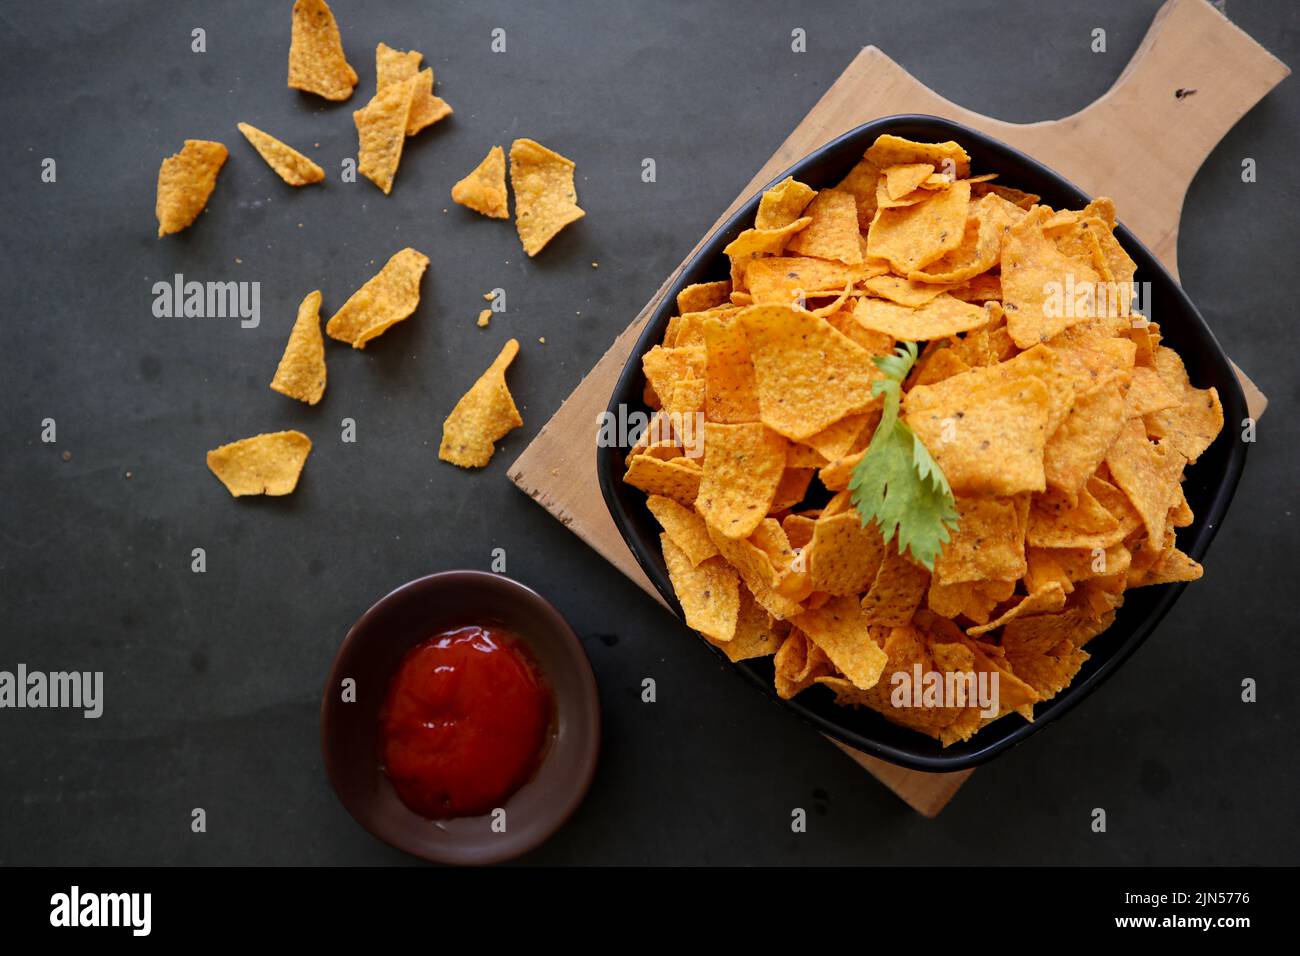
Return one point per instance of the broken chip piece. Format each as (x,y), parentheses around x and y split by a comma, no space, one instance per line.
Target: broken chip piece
(394,66)
(267,464)
(316,61)
(289,164)
(484,189)
(545,198)
(383,301)
(301,372)
(484,414)
(185,181)
(381,132)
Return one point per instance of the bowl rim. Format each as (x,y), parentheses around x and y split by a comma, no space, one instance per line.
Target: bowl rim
(576,786)
(927,754)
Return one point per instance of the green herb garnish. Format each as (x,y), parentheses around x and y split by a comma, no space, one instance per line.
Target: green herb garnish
(897,484)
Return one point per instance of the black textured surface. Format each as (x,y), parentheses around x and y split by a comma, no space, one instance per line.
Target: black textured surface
(213,680)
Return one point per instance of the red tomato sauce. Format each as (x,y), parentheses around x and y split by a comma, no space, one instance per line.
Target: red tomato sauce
(465,723)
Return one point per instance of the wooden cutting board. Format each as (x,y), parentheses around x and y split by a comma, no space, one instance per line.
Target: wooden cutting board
(1192,78)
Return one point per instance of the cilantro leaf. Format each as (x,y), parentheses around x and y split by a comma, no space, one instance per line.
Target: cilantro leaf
(897,484)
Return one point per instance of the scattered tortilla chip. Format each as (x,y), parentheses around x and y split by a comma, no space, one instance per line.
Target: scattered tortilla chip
(808,375)
(839,628)
(545,198)
(889,150)
(289,164)
(394,66)
(708,593)
(1171,566)
(316,61)
(382,302)
(980,248)
(484,415)
(266,464)
(1058,521)
(833,232)
(743,465)
(381,130)
(185,181)
(484,189)
(301,373)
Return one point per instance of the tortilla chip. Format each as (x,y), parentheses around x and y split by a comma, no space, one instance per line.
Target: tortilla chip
(1057,520)
(835,441)
(833,233)
(484,414)
(382,302)
(757,633)
(808,376)
(545,198)
(1171,566)
(782,279)
(980,248)
(267,464)
(316,61)
(1035,278)
(839,628)
(1148,393)
(684,526)
(185,181)
(896,591)
(764,242)
(289,164)
(708,593)
(861,182)
(484,189)
(903,291)
(394,66)
(702,296)
(743,464)
(381,130)
(913,237)
(1191,426)
(905,177)
(677,478)
(937,319)
(301,372)
(987,435)
(987,544)
(1051,597)
(798,664)
(843,557)
(1080,443)
(1148,474)
(783,204)
(889,150)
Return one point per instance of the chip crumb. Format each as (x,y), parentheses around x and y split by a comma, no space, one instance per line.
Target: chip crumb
(542,339)
(67,456)
(595,265)
(129,476)
(484,317)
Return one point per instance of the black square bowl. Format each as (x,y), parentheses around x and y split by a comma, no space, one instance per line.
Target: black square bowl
(1209,484)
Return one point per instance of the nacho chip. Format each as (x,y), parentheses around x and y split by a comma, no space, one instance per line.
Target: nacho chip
(861,182)
(703,296)
(677,478)
(914,236)
(937,319)
(833,232)
(266,464)
(545,198)
(1191,426)
(758,634)
(1147,393)
(798,664)
(743,464)
(1081,441)
(708,593)
(1036,279)
(1016,197)
(684,526)
(394,66)
(484,415)
(1051,597)
(843,557)
(764,242)
(301,372)
(808,375)
(1148,475)
(185,181)
(905,177)
(903,291)
(839,628)
(484,189)
(980,248)
(316,61)
(1171,566)
(382,302)
(289,164)
(986,435)
(783,278)
(1058,521)
(381,131)
(889,150)
(987,544)
(783,204)
(896,591)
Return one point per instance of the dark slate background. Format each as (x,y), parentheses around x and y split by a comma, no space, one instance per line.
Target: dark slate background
(213,680)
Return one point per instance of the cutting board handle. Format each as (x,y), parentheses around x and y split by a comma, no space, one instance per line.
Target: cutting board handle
(1193,76)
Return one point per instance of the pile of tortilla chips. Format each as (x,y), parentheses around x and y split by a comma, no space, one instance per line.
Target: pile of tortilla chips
(1061,421)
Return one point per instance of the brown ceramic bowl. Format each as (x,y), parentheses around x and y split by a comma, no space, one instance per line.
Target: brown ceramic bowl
(371,654)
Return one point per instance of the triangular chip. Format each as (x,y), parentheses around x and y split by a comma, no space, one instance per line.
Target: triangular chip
(383,301)
(394,66)
(484,189)
(783,204)
(889,150)
(757,633)
(743,464)
(316,61)
(381,130)
(301,373)
(545,198)
(1037,279)
(912,237)
(289,164)
(684,525)
(709,593)
(833,232)
(266,464)
(1148,475)
(484,414)
(185,181)
(839,628)
(939,318)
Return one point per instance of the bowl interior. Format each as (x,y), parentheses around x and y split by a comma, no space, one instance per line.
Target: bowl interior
(1209,484)
(371,654)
